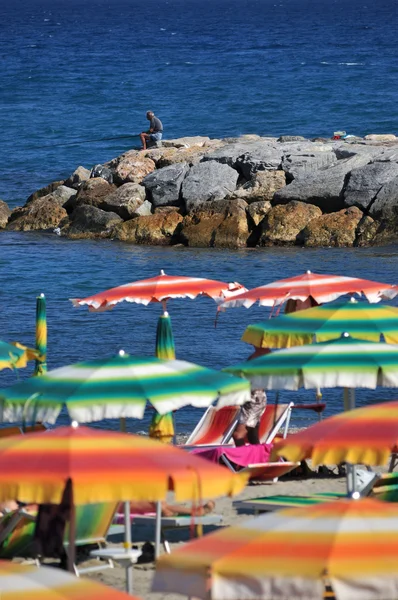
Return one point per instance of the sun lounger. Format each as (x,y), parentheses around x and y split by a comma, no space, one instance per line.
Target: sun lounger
(92,525)
(380,485)
(275,416)
(269,471)
(167,523)
(215,426)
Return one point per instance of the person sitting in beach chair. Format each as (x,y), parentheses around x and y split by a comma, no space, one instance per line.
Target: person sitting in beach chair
(251,411)
(170,510)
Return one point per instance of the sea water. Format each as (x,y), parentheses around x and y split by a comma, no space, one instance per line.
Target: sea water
(77,71)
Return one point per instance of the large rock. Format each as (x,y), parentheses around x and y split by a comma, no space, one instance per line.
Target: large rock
(365,183)
(229,153)
(208,181)
(164,185)
(261,156)
(385,210)
(187,142)
(283,223)
(323,188)
(5,213)
(164,157)
(90,222)
(92,192)
(44,191)
(125,201)
(261,187)
(78,176)
(291,138)
(336,229)
(302,163)
(63,195)
(381,137)
(131,167)
(43,213)
(218,224)
(156,230)
(258,210)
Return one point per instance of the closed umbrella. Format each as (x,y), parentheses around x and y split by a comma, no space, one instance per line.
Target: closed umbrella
(15,355)
(364,321)
(41,335)
(292,553)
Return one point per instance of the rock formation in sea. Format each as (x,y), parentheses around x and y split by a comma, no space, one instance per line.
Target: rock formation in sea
(230,193)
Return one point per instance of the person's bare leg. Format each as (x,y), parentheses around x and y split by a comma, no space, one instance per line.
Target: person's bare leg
(144,137)
(171,510)
(239,435)
(252,434)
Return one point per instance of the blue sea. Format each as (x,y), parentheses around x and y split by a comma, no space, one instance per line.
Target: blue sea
(80,71)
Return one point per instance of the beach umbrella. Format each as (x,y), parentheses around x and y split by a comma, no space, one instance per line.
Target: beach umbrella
(365,435)
(162,426)
(45,583)
(292,553)
(159,289)
(15,355)
(320,288)
(345,362)
(92,465)
(364,321)
(41,335)
(117,387)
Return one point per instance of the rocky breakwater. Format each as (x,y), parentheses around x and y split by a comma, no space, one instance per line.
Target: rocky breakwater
(230,193)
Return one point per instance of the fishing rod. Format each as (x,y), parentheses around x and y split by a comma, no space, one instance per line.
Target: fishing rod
(76,142)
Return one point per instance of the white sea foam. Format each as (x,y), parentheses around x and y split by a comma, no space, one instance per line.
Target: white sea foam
(350,64)
(173,33)
(162,29)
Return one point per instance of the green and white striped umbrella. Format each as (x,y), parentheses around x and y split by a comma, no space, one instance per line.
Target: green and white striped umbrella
(364,321)
(119,387)
(345,362)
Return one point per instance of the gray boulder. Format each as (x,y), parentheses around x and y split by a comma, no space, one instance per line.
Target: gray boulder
(208,181)
(145,209)
(261,156)
(88,221)
(62,194)
(385,210)
(229,154)
(44,191)
(296,164)
(164,185)
(78,176)
(365,183)
(5,213)
(125,201)
(323,188)
(291,138)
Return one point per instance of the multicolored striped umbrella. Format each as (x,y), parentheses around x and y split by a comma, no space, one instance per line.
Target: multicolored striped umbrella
(345,362)
(15,355)
(105,466)
(321,288)
(162,426)
(362,436)
(27,582)
(41,335)
(292,553)
(119,387)
(362,320)
(159,289)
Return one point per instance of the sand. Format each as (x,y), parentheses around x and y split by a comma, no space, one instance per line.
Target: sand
(143,574)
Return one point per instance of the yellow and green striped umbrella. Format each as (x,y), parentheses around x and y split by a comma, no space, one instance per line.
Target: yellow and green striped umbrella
(292,553)
(41,335)
(27,582)
(362,320)
(119,387)
(345,362)
(15,355)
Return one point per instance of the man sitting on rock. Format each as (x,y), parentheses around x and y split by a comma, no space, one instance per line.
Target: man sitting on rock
(155,132)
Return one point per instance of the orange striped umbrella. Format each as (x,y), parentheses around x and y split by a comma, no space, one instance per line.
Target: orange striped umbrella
(321,288)
(159,289)
(23,582)
(105,466)
(289,553)
(365,435)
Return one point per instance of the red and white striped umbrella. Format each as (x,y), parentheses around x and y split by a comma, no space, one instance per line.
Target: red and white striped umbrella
(160,289)
(321,288)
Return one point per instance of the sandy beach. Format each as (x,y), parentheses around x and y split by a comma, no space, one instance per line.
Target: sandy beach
(143,574)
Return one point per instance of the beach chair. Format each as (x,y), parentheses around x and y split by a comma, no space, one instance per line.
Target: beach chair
(16,430)
(274,417)
(215,427)
(167,523)
(92,524)
(384,487)
(268,471)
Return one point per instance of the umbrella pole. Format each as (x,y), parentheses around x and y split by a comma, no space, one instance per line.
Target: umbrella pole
(158,528)
(127,546)
(348,398)
(72,539)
